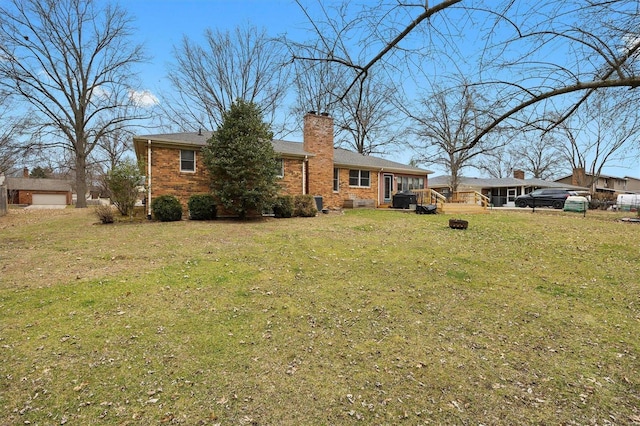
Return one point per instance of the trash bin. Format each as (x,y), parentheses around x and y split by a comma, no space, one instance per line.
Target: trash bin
(318,199)
(403,199)
(576,203)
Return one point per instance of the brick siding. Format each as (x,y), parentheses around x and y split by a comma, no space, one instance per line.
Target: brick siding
(167,179)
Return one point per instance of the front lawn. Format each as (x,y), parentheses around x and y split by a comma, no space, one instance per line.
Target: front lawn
(371,317)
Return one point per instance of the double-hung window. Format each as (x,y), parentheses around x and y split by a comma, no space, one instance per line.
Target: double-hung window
(360,178)
(187,160)
(336,180)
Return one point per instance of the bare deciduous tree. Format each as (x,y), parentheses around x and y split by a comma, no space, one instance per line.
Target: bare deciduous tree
(317,84)
(112,149)
(245,64)
(12,127)
(367,120)
(560,54)
(553,53)
(360,40)
(602,132)
(536,153)
(445,124)
(71,60)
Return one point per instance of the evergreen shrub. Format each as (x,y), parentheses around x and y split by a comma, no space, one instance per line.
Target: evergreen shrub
(202,207)
(166,208)
(283,206)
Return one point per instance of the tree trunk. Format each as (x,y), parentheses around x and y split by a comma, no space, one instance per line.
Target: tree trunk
(81,181)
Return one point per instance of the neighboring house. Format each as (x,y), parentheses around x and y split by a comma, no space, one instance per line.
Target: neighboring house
(174,165)
(33,191)
(604,183)
(501,191)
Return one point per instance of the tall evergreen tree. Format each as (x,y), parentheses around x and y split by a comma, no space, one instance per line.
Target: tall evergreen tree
(241,161)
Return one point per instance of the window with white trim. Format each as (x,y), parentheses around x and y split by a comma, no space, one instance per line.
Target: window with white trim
(361,178)
(187,160)
(336,180)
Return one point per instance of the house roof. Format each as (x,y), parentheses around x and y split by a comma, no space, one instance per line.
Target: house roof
(443,181)
(34,184)
(603,176)
(341,157)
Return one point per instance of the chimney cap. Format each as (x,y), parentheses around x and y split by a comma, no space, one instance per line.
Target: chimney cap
(312,112)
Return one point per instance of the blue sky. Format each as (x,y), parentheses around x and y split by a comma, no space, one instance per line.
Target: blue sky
(163,23)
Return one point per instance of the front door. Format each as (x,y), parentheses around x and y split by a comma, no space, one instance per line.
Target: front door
(511,197)
(388,188)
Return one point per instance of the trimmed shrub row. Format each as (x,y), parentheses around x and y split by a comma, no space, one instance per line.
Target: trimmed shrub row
(300,205)
(167,208)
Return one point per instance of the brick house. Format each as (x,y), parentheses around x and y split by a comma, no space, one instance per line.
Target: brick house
(174,165)
(35,191)
(603,183)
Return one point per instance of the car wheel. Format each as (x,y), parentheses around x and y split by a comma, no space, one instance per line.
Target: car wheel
(521,203)
(558,204)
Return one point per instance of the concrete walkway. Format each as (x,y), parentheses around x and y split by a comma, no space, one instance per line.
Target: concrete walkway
(46,207)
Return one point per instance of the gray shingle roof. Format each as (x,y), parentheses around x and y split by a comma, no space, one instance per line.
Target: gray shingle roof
(33,184)
(186,138)
(442,181)
(342,157)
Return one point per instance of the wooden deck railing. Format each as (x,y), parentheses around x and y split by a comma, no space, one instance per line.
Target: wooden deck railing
(429,196)
(470,197)
(460,198)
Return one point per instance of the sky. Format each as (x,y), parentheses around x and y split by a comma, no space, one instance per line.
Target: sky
(163,23)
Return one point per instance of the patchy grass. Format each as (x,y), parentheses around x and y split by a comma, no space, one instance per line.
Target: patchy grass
(372,317)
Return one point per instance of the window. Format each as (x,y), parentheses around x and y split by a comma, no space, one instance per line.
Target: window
(336,180)
(187,160)
(406,183)
(279,167)
(359,178)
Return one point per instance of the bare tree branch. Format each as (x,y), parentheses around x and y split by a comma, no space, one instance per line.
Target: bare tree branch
(244,64)
(71,61)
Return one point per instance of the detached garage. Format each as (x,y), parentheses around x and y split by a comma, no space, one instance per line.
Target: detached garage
(32,191)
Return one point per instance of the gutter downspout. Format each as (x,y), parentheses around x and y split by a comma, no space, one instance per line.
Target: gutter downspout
(149,179)
(304,175)
(380,187)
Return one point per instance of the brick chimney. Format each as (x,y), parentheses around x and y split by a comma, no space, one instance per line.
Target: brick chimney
(25,172)
(518,174)
(578,177)
(318,140)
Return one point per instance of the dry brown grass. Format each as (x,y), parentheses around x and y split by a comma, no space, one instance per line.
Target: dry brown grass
(372,317)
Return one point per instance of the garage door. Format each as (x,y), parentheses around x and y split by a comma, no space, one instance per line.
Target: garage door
(48,199)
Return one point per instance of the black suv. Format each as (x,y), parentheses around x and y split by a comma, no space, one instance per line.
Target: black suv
(544,198)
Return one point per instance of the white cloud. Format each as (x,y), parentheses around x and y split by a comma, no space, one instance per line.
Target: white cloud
(143,98)
(100,92)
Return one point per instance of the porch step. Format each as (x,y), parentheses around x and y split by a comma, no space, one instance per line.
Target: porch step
(459,208)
